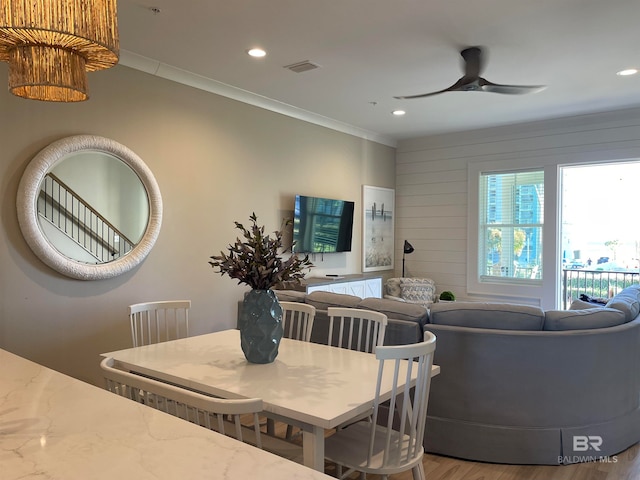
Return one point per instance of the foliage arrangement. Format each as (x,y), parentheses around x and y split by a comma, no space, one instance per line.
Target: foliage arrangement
(255,261)
(448,296)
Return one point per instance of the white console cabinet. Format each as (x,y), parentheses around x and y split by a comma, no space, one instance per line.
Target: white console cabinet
(356,285)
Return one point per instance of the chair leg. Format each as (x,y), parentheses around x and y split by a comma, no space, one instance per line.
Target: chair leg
(271,427)
(418,472)
(289,433)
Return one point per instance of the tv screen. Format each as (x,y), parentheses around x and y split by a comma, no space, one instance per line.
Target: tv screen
(322,225)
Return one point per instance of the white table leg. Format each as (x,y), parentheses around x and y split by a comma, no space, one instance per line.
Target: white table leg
(313,448)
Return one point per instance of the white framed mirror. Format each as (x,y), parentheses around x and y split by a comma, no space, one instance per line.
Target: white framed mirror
(89,207)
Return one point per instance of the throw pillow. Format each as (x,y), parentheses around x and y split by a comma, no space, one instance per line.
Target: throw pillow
(417,290)
(627,301)
(393,287)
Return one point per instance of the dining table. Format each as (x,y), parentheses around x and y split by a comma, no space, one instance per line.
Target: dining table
(57,427)
(312,386)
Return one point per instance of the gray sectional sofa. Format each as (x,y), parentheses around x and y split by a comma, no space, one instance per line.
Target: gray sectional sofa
(405,323)
(517,384)
(522,386)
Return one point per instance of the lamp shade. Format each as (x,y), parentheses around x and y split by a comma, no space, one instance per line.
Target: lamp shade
(50,46)
(408,248)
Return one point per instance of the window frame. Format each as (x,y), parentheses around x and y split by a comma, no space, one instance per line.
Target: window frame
(509,288)
(485,206)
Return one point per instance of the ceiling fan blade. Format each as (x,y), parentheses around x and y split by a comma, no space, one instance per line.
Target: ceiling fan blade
(456,86)
(487,86)
(472,81)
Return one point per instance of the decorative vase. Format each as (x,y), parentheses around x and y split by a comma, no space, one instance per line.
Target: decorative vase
(260,325)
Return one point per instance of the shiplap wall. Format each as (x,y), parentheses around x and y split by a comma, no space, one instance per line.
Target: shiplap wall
(432,201)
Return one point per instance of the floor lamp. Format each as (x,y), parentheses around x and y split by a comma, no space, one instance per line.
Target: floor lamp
(408,248)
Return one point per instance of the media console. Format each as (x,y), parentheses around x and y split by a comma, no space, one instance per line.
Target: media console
(362,286)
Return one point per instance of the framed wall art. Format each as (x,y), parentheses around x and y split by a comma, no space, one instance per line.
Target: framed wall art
(377,228)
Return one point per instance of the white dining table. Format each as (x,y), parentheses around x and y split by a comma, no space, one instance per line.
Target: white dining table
(60,428)
(315,387)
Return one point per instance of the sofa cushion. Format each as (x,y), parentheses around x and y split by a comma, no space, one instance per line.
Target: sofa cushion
(502,316)
(322,300)
(584,319)
(578,304)
(395,309)
(627,301)
(290,296)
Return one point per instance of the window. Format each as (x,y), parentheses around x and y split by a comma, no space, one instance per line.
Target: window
(511,225)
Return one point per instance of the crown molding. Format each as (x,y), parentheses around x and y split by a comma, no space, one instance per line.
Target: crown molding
(168,72)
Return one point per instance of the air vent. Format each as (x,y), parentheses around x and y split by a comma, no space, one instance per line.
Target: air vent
(302,66)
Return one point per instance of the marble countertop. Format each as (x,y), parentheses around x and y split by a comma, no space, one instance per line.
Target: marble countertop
(56,427)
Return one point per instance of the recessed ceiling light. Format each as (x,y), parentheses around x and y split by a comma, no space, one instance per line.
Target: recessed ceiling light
(256,52)
(628,71)
(399,113)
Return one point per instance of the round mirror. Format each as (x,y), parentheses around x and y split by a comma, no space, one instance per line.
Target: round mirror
(89,207)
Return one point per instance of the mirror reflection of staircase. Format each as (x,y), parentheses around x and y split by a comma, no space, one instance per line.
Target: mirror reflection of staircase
(70,215)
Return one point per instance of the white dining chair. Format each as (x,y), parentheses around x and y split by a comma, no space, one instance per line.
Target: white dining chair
(155,322)
(209,412)
(356,329)
(297,320)
(382,449)
(297,324)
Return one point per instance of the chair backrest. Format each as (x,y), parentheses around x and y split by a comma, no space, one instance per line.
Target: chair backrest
(409,403)
(356,329)
(155,322)
(297,320)
(210,412)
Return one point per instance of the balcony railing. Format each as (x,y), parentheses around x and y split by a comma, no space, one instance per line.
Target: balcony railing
(594,283)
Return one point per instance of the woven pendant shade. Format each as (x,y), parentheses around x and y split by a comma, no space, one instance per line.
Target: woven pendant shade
(51,45)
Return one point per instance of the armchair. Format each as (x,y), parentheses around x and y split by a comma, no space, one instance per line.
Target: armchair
(411,290)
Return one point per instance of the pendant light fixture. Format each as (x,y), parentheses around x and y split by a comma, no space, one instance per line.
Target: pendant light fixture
(50,45)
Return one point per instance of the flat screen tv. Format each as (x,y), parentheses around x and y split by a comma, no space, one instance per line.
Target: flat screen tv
(322,225)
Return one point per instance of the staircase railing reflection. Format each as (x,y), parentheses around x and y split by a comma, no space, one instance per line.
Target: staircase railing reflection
(79,221)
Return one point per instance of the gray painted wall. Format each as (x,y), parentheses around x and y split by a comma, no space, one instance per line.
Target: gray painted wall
(216,160)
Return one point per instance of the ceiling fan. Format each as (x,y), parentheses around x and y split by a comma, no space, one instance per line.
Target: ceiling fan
(473,82)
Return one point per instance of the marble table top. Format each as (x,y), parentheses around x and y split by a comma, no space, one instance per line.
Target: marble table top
(312,386)
(308,382)
(56,427)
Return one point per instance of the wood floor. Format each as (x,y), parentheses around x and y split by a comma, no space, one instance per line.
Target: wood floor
(623,466)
